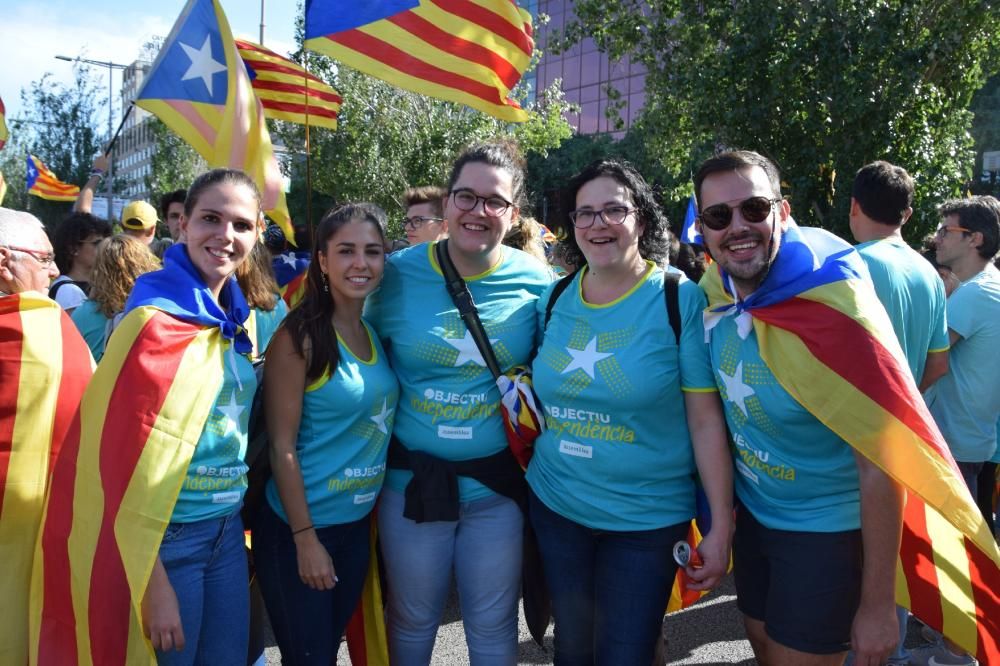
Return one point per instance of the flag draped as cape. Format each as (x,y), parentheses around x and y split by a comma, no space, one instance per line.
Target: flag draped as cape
(44,368)
(116,481)
(828,341)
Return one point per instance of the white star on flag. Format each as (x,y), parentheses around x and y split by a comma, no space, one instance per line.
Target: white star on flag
(736,391)
(203,66)
(232,413)
(585,358)
(381,417)
(467,349)
(288,259)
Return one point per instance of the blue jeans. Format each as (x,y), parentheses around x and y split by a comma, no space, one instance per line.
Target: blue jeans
(308,623)
(206,563)
(609,589)
(484,548)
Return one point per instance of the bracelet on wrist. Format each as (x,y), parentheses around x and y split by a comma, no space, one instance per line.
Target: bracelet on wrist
(304,529)
(96,172)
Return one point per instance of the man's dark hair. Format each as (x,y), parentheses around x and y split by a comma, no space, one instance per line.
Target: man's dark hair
(884,191)
(177,196)
(977,214)
(71,232)
(501,154)
(735,160)
(428,194)
(655,238)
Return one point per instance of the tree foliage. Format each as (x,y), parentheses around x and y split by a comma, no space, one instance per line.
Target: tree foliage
(174,163)
(389,139)
(821,87)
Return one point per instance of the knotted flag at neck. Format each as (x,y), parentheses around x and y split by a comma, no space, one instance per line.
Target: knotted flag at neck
(179,290)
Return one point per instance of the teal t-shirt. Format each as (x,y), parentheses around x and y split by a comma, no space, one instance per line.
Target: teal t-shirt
(448,398)
(616,453)
(216,478)
(791,471)
(91,323)
(965,402)
(913,295)
(343,438)
(267,323)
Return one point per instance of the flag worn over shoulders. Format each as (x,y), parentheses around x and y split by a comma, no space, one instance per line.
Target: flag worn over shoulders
(44,369)
(286,90)
(822,332)
(464,51)
(199,87)
(117,479)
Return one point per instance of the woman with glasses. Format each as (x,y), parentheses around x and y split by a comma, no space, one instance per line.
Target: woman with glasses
(447,503)
(75,243)
(631,413)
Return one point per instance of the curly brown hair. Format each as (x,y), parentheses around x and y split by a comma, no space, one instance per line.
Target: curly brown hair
(120,260)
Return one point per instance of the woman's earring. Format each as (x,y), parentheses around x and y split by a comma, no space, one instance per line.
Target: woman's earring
(326,284)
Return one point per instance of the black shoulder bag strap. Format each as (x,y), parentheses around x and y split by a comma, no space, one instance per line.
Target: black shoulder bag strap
(671,289)
(462,297)
(557,291)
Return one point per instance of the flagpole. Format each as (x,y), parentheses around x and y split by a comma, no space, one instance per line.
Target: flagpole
(114,139)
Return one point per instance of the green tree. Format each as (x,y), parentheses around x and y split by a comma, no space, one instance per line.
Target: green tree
(174,163)
(60,125)
(821,87)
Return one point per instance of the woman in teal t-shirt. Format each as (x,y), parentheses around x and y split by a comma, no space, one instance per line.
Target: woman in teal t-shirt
(120,260)
(330,397)
(631,410)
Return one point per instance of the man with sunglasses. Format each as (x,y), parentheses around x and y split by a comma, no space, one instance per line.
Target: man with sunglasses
(811,509)
(44,367)
(424,221)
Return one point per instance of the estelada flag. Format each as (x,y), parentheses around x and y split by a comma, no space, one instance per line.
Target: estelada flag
(822,332)
(286,90)
(44,184)
(44,368)
(290,271)
(464,51)
(200,89)
(4,134)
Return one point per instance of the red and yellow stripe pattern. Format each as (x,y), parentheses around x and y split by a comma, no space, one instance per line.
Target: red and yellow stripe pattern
(44,184)
(44,368)
(286,90)
(366,638)
(472,52)
(114,488)
(833,349)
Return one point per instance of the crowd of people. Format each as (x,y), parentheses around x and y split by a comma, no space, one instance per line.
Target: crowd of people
(666,391)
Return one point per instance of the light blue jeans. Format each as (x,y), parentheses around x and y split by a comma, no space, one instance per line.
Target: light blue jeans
(483,547)
(206,563)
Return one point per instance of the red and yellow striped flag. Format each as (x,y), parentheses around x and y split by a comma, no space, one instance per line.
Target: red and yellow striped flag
(286,90)
(44,368)
(822,332)
(44,184)
(366,638)
(468,51)
(114,488)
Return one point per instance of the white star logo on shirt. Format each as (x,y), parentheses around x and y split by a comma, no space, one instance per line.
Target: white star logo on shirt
(203,66)
(585,358)
(381,417)
(467,350)
(232,413)
(736,391)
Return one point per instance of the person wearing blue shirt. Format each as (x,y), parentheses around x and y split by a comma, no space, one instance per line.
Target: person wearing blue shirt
(331,399)
(437,514)
(631,412)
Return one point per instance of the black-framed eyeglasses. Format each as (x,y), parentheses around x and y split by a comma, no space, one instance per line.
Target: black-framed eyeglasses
(467,200)
(720,216)
(585,218)
(45,259)
(418,221)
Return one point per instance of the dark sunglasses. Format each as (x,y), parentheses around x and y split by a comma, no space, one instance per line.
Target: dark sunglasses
(720,216)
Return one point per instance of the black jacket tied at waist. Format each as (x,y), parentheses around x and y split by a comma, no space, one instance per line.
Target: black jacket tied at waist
(432,493)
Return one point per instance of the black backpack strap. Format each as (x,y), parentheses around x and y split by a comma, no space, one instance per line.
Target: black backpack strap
(671,293)
(557,291)
(462,298)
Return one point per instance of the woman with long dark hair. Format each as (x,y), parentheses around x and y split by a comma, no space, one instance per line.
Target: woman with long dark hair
(330,397)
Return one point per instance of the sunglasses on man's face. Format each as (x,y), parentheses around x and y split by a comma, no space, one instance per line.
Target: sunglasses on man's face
(720,216)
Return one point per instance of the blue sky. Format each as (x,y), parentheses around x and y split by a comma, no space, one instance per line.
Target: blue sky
(35,31)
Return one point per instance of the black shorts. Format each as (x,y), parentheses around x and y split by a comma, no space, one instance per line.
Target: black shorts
(804,586)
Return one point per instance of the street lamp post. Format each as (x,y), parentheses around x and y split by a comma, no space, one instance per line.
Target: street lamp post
(112,66)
